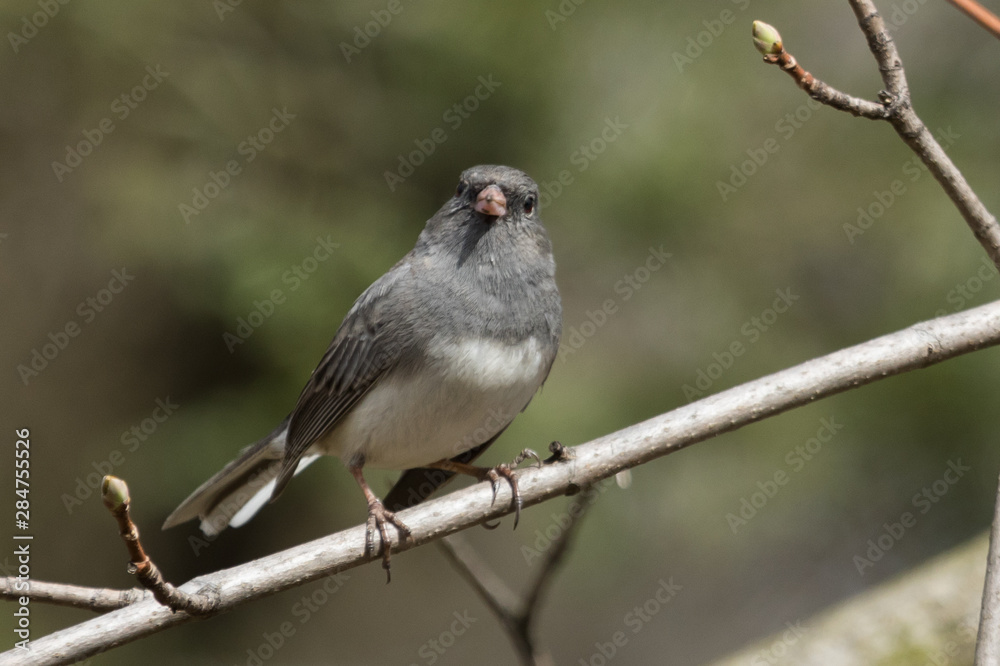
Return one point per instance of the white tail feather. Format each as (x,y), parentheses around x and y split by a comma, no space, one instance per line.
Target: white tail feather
(260,498)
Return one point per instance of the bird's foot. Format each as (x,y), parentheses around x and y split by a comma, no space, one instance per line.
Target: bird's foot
(378,519)
(506,471)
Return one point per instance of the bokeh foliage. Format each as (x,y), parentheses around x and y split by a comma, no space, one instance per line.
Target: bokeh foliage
(689,123)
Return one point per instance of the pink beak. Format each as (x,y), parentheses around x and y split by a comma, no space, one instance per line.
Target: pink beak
(491,201)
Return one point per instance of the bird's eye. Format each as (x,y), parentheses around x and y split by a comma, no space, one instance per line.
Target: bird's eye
(529,205)
(462,187)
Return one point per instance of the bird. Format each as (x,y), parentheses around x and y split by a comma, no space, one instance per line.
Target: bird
(428,368)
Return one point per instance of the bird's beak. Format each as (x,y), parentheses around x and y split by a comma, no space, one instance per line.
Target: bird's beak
(491,201)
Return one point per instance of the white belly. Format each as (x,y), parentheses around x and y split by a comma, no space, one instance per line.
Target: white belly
(468,392)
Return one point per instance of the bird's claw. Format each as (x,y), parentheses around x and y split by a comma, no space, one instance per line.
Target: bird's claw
(506,471)
(503,470)
(378,517)
(524,455)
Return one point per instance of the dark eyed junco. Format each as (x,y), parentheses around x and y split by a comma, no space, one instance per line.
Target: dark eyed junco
(428,368)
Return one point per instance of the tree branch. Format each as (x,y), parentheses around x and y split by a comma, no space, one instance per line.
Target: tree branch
(499,598)
(918,346)
(97,599)
(115,496)
(517,615)
(911,129)
(556,554)
(980,15)
(988,643)
(768,42)
(896,108)
(915,134)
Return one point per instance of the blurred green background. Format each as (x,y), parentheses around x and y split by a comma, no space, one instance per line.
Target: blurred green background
(682,99)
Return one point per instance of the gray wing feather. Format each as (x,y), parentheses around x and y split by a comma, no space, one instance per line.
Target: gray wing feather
(357,358)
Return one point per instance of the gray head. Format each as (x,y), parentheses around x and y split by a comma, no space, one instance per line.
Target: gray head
(492,218)
(487,248)
(498,192)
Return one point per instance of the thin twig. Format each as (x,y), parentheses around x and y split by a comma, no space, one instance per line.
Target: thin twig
(517,615)
(822,91)
(116,498)
(882,46)
(498,597)
(97,599)
(578,506)
(918,346)
(915,134)
(895,108)
(988,642)
(980,15)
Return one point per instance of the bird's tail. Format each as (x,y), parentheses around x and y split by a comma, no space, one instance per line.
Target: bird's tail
(240,489)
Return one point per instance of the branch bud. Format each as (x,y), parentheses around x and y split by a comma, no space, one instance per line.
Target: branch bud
(114,492)
(766,38)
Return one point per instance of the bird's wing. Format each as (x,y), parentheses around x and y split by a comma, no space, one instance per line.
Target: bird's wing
(357,358)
